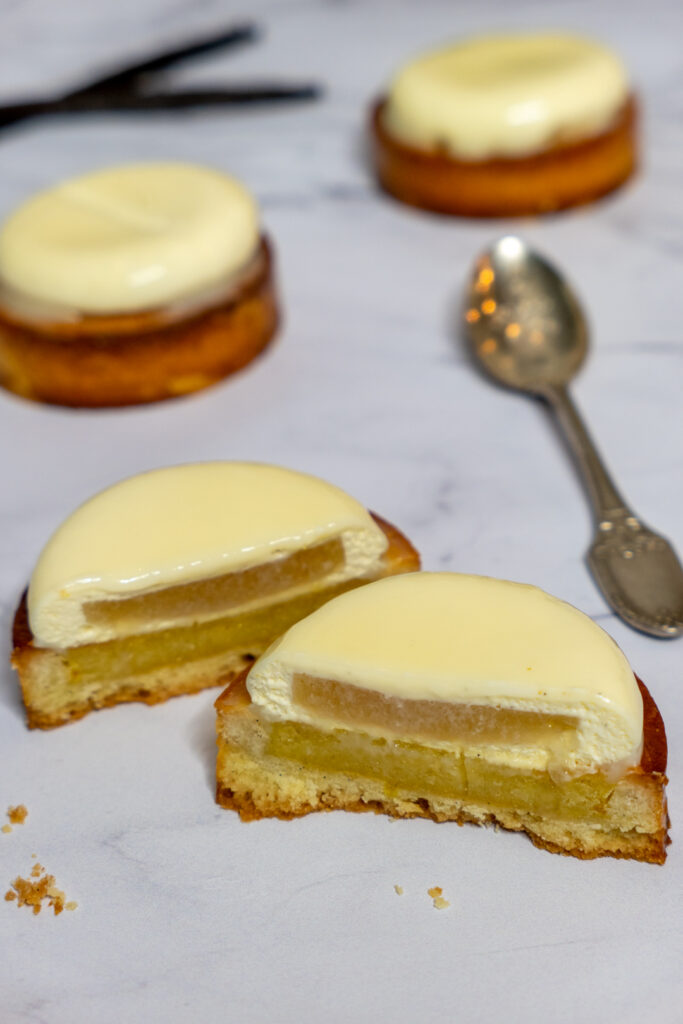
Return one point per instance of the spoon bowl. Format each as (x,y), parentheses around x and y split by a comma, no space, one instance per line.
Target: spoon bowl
(523,322)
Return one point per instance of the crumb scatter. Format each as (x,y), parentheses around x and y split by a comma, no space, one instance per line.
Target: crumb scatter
(37,890)
(398,889)
(6,829)
(436,893)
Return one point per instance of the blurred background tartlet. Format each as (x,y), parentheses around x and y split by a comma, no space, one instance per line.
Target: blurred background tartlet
(505,125)
(133,284)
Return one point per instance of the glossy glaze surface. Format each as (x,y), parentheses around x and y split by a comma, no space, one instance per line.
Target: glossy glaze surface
(127,238)
(182,525)
(507,95)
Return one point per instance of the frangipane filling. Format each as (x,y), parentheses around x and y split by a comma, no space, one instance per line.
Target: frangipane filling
(410,767)
(402,762)
(211,598)
(245,631)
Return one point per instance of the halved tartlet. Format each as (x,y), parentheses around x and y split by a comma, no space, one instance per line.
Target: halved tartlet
(457,698)
(133,284)
(506,125)
(175,580)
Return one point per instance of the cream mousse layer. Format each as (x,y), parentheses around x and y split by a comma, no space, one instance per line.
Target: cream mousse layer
(468,663)
(124,561)
(506,95)
(127,239)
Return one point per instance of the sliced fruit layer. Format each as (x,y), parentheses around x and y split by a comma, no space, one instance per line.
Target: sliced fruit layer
(133,655)
(474,724)
(221,593)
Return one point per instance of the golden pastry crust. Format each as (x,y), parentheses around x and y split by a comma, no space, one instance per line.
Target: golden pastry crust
(53,694)
(566,174)
(258,785)
(135,358)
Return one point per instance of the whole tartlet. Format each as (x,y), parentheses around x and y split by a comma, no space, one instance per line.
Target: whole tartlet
(506,125)
(133,284)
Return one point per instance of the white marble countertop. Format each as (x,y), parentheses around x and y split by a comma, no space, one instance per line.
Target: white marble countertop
(186,914)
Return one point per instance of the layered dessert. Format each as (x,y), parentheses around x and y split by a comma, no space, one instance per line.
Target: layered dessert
(506,125)
(458,698)
(175,580)
(133,284)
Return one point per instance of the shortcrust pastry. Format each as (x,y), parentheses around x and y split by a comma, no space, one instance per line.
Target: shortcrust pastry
(506,125)
(175,580)
(457,698)
(133,284)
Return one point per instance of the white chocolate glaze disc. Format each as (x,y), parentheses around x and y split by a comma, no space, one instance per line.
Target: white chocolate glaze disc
(130,238)
(507,95)
(186,523)
(463,639)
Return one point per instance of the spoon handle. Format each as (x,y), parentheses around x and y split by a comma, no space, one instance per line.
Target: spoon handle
(636,569)
(605,498)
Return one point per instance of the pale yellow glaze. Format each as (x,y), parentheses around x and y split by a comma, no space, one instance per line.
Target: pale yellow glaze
(126,239)
(187,523)
(506,95)
(467,639)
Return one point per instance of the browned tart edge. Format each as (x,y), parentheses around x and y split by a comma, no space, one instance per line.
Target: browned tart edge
(100,361)
(563,175)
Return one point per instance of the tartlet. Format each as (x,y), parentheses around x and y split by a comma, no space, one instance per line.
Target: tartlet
(174,580)
(507,125)
(457,698)
(133,284)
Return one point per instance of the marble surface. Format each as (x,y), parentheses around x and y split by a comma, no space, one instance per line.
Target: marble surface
(185,914)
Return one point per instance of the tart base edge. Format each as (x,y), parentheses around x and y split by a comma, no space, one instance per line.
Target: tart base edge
(131,360)
(565,175)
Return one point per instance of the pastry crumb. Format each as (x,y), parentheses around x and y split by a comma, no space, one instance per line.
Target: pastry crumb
(436,893)
(37,890)
(17,815)
(398,889)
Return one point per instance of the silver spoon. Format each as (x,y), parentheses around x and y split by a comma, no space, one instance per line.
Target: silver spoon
(527,330)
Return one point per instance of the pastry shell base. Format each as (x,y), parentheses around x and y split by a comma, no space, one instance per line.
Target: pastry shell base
(130,359)
(566,174)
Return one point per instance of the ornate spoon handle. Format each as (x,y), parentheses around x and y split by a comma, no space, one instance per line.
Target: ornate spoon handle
(636,569)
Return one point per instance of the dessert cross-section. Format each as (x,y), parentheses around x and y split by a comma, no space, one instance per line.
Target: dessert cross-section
(453,697)
(174,580)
